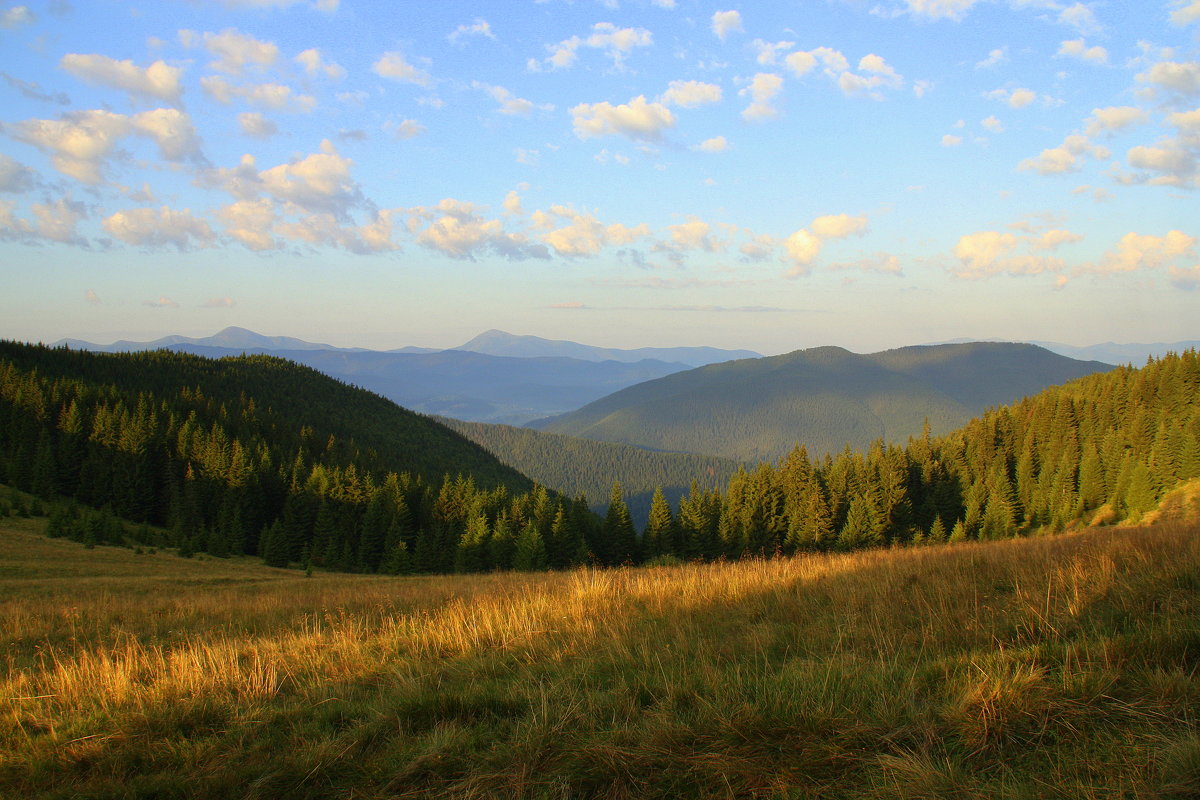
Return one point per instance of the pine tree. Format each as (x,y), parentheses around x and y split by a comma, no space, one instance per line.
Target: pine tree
(659,538)
(618,533)
(530,554)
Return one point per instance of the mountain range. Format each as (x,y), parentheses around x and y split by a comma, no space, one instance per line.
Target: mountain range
(495,377)
(824,398)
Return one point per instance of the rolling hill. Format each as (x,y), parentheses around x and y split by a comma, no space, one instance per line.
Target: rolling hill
(824,398)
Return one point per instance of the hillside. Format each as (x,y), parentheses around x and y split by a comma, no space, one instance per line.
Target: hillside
(262,456)
(1043,667)
(586,467)
(825,399)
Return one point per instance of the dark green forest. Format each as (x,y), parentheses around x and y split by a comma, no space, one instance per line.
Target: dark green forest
(259,456)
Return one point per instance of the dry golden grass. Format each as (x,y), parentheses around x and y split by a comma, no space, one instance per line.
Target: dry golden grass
(1005,669)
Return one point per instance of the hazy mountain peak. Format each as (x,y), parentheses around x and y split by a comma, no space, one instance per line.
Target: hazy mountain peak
(501,343)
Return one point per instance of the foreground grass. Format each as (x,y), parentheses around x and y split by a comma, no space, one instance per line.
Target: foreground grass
(1049,667)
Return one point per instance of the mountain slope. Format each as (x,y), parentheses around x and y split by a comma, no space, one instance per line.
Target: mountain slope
(823,398)
(500,343)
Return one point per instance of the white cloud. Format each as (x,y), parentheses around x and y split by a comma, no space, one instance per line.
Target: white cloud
(802,248)
(767,52)
(52,222)
(256,125)
(512,203)
(274,96)
(408,129)
(1113,119)
(992,124)
(874,73)
(636,119)
(393,65)
(1055,238)
(235,51)
(838,226)
(950,140)
(91,298)
(328,6)
(1135,252)
(616,43)
(1079,17)
(318,183)
(146,227)
(1067,157)
(1077,48)
(994,57)
(940,9)
(762,90)
(690,94)
(717,144)
(985,254)
(16,16)
(315,65)
(1179,77)
(583,235)
(1015,98)
(695,234)
(158,80)
(220,302)
(509,103)
(1186,13)
(1186,278)
(458,230)
(479,27)
(885,263)
(1168,163)
(250,222)
(81,141)
(725,23)
(162,301)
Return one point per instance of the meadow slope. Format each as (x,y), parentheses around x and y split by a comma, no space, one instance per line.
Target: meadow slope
(1056,666)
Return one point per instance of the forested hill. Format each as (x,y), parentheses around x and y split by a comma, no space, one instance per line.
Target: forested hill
(288,406)
(586,467)
(824,398)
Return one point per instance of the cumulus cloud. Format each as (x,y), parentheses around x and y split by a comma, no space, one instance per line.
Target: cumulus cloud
(725,23)
(256,125)
(52,222)
(874,73)
(1165,164)
(1015,98)
(159,80)
(1182,78)
(940,9)
(616,43)
(15,177)
(234,51)
(479,27)
(574,233)
(1055,238)
(408,129)
(393,65)
(315,65)
(985,254)
(16,16)
(318,183)
(950,140)
(1187,12)
(1079,17)
(838,226)
(147,227)
(637,119)
(457,229)
(690,94)
(1067,157)
(80,142)
(801,248)
(1113,119)
(274,96)
(509,103)
(994,57)
(716,144)
(1186,278)
(250,222)
(220,302)
(767,52)
(1135,252)
(1076,48)
(763,88)
(695,234)
(162,301)
(992,124)
(885,263)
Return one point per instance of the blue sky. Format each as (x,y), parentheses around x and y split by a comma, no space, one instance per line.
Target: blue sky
(869,174)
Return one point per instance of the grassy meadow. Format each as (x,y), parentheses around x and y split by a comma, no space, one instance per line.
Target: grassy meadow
(1060,666)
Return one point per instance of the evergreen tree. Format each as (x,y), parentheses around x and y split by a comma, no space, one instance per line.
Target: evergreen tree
(530,554)
(619,536)
(660,536)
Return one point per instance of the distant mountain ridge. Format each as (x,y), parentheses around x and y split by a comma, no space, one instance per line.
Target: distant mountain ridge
(824,398)
(499,343)
(1133,353)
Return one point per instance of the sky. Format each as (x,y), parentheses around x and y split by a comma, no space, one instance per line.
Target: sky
(626,173)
